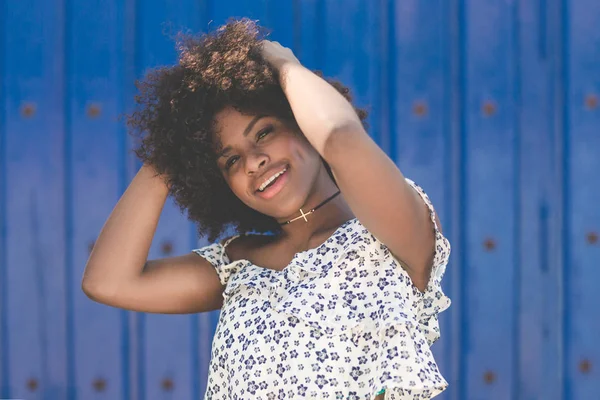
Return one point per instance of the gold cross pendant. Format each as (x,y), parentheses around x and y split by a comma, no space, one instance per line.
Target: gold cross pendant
(303,215)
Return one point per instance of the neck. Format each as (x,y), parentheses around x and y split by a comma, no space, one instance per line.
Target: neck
(305,213)
(326,218)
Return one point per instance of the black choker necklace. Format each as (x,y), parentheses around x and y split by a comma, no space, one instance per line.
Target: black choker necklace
(310,212)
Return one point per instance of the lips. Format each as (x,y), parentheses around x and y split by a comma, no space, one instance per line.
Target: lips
(267,174)
(276,187)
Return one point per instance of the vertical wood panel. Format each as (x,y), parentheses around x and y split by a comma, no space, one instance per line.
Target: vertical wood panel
(455,282)
(310,16)
(582,190)
(490,203)
(280,19)
(34,264)
(539,328)
(95,145)
(4,356)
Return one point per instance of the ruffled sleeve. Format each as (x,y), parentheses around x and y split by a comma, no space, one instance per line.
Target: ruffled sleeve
(217,256)
(433,301)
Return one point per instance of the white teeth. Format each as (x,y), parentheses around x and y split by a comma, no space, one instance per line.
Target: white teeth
(271,179)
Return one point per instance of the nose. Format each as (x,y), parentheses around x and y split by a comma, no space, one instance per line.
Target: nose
(255,161)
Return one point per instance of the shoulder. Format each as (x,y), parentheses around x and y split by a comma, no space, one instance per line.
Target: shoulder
(244,246)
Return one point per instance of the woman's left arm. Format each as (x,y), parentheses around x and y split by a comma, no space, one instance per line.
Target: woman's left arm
(372,185)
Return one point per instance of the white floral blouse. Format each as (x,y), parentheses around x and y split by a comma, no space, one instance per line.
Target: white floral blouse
(341,321)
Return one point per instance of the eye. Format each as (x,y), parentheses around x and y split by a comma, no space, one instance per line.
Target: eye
(230,162)
(264,132)
(259,135)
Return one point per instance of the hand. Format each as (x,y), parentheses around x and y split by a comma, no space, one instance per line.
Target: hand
(277,55)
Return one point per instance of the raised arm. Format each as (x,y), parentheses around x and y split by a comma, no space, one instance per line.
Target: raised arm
(118,274)
(374,188)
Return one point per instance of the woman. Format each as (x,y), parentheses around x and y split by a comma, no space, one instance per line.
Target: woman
(335,294)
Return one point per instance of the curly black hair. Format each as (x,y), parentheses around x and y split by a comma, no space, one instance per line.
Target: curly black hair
(174,120)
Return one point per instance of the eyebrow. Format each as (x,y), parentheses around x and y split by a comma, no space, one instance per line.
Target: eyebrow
(246,132)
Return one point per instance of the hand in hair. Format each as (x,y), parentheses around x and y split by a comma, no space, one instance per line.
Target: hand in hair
(277,55)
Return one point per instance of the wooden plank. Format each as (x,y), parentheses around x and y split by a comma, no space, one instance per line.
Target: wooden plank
(34,305)
(4,354)
(95,173)
(309,27)
(490,276)
(539,325)
(581,80)
(281,22)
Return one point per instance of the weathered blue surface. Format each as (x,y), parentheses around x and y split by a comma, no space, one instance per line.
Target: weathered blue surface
(492,106)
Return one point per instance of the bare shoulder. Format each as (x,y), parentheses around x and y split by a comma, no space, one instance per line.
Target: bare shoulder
(248,246)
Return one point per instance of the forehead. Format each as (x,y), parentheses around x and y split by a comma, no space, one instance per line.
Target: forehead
(228,119)
(228,124)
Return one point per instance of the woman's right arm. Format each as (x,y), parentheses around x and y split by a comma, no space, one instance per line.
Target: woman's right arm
(118,274)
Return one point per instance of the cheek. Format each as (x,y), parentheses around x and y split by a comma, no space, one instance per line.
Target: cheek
(239,187)
(304,151)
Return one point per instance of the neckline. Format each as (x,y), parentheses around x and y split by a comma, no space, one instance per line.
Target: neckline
(334,234)
(298,254)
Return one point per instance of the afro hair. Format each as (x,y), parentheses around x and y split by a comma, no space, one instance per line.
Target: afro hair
(174,121)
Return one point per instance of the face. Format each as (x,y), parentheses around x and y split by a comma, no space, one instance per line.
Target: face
(254,149)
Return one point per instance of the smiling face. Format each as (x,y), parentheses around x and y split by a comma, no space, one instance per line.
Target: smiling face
(254,149)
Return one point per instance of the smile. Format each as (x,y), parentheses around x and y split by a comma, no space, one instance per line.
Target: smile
(274,184)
